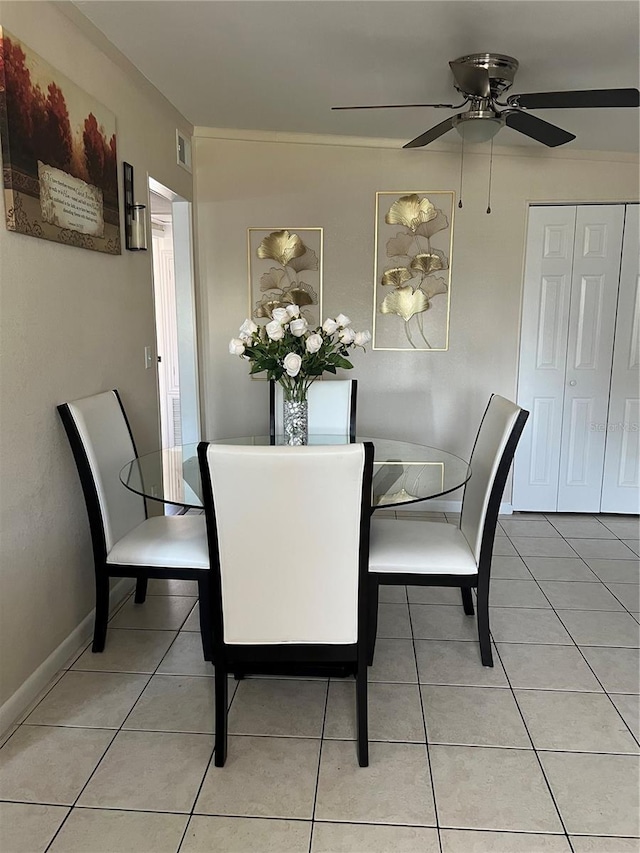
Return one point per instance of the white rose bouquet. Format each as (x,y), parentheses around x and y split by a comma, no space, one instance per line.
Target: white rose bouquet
(292,353)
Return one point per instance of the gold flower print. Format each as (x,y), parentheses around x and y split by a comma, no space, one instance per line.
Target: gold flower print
(283,285)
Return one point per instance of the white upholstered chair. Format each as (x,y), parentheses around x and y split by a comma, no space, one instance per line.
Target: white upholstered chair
(434,553)
(332,407)
(288,531)
(126,543)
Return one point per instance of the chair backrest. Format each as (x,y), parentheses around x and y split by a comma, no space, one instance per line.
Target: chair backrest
(332,407)
(288,531)
(102,444)
(495,445)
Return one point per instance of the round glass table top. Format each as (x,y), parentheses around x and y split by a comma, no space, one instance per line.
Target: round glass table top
(403,472)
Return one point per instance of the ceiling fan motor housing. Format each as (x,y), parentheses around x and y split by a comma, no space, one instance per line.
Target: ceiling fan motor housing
(501,71)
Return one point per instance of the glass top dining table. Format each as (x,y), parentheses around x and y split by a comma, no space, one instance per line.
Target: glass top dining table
(403,472)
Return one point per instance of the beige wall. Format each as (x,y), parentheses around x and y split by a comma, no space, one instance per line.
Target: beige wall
(74,322)
(431,397)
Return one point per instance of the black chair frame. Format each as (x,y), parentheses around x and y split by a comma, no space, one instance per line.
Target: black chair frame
(287,657)
(479,581)
(352,412)
(103,570)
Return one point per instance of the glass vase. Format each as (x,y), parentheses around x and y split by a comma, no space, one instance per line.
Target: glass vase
(295,421)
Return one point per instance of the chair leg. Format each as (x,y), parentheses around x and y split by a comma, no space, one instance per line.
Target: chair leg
(102,613)
(483,623)
(221,702)
(467,600)
(373,595)
(362,715)
(206,632)
(141,590)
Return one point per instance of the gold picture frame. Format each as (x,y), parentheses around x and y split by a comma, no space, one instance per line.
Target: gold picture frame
(412,270)
(285,268)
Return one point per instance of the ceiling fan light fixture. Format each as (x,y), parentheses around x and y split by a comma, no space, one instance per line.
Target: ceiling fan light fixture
(478,125)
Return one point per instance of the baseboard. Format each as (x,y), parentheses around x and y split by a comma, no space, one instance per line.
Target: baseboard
(17,704)
(442,506)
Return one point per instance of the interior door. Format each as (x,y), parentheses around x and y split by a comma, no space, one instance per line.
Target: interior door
(621,485)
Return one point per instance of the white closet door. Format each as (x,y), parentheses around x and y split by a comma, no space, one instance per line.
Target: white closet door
(543,349)
(592,315)
(621,486)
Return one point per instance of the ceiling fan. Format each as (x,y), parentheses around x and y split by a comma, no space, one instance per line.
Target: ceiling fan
(481,79)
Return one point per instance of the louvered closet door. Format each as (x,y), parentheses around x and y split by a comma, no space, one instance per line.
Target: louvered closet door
(543,351)
(592,316)
(621,486)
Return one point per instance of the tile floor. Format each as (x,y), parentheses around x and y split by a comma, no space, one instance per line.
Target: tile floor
(539,753)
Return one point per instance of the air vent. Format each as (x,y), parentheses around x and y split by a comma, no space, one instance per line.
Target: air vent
(183,151)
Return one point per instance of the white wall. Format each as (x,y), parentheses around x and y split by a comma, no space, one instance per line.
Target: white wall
(301,181)
(74,322)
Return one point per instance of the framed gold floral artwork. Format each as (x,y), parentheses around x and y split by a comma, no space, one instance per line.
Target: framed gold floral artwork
(285,268)
(412,282)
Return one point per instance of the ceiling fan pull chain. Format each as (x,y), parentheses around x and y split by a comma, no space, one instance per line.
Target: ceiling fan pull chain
(490,171)
(461,165)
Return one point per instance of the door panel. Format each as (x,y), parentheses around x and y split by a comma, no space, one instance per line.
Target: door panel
(620,491)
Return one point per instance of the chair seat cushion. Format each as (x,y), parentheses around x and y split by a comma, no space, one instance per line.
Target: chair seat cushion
(168,541)
(420,547)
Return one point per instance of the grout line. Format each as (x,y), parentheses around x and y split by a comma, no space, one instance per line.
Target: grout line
(324,721)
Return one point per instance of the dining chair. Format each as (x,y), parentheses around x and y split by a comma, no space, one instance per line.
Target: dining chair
(332,407)
(288,588)
(126,542)
(432,553)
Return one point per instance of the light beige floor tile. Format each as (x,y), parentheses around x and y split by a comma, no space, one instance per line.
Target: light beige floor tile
(615,571)
(185,657)
(576,595)
(128,651)
(150,771)
(192,622)
(96,699)
(395,788)
(560,569)
(523,516)
(416,515)
(158,612)
(167,586)
(547,667)
(175,703)
(512,593)
(454,662)
(280,708)
(395,712)
(596,794)
(599,628)
(45,764)
(503,547)
(524,625)
(246,835)
(368,838)
(509,568)
(617,669)
(264,777)
(35,702)
(605,549)
(28,828)
(538,546)
(575,722)
(623,528)
(634,544)
(529,528)
(629,707)
(472,841)
(389,594)
(599,844)
(434,595)
(4,737)
(583,529)
(393,621)
(628,594)
(395,661)
(487,788)
(107,831)
(442,622)
(481,716)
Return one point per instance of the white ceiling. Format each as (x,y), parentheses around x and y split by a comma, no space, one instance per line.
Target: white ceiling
(281,64)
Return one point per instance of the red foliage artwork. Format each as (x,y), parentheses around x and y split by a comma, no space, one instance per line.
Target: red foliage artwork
(59,154)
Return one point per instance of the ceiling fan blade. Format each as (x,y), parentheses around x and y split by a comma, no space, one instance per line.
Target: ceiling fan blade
(431,134)
(471,79)
(537,129)
(580,99)
(401,107)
